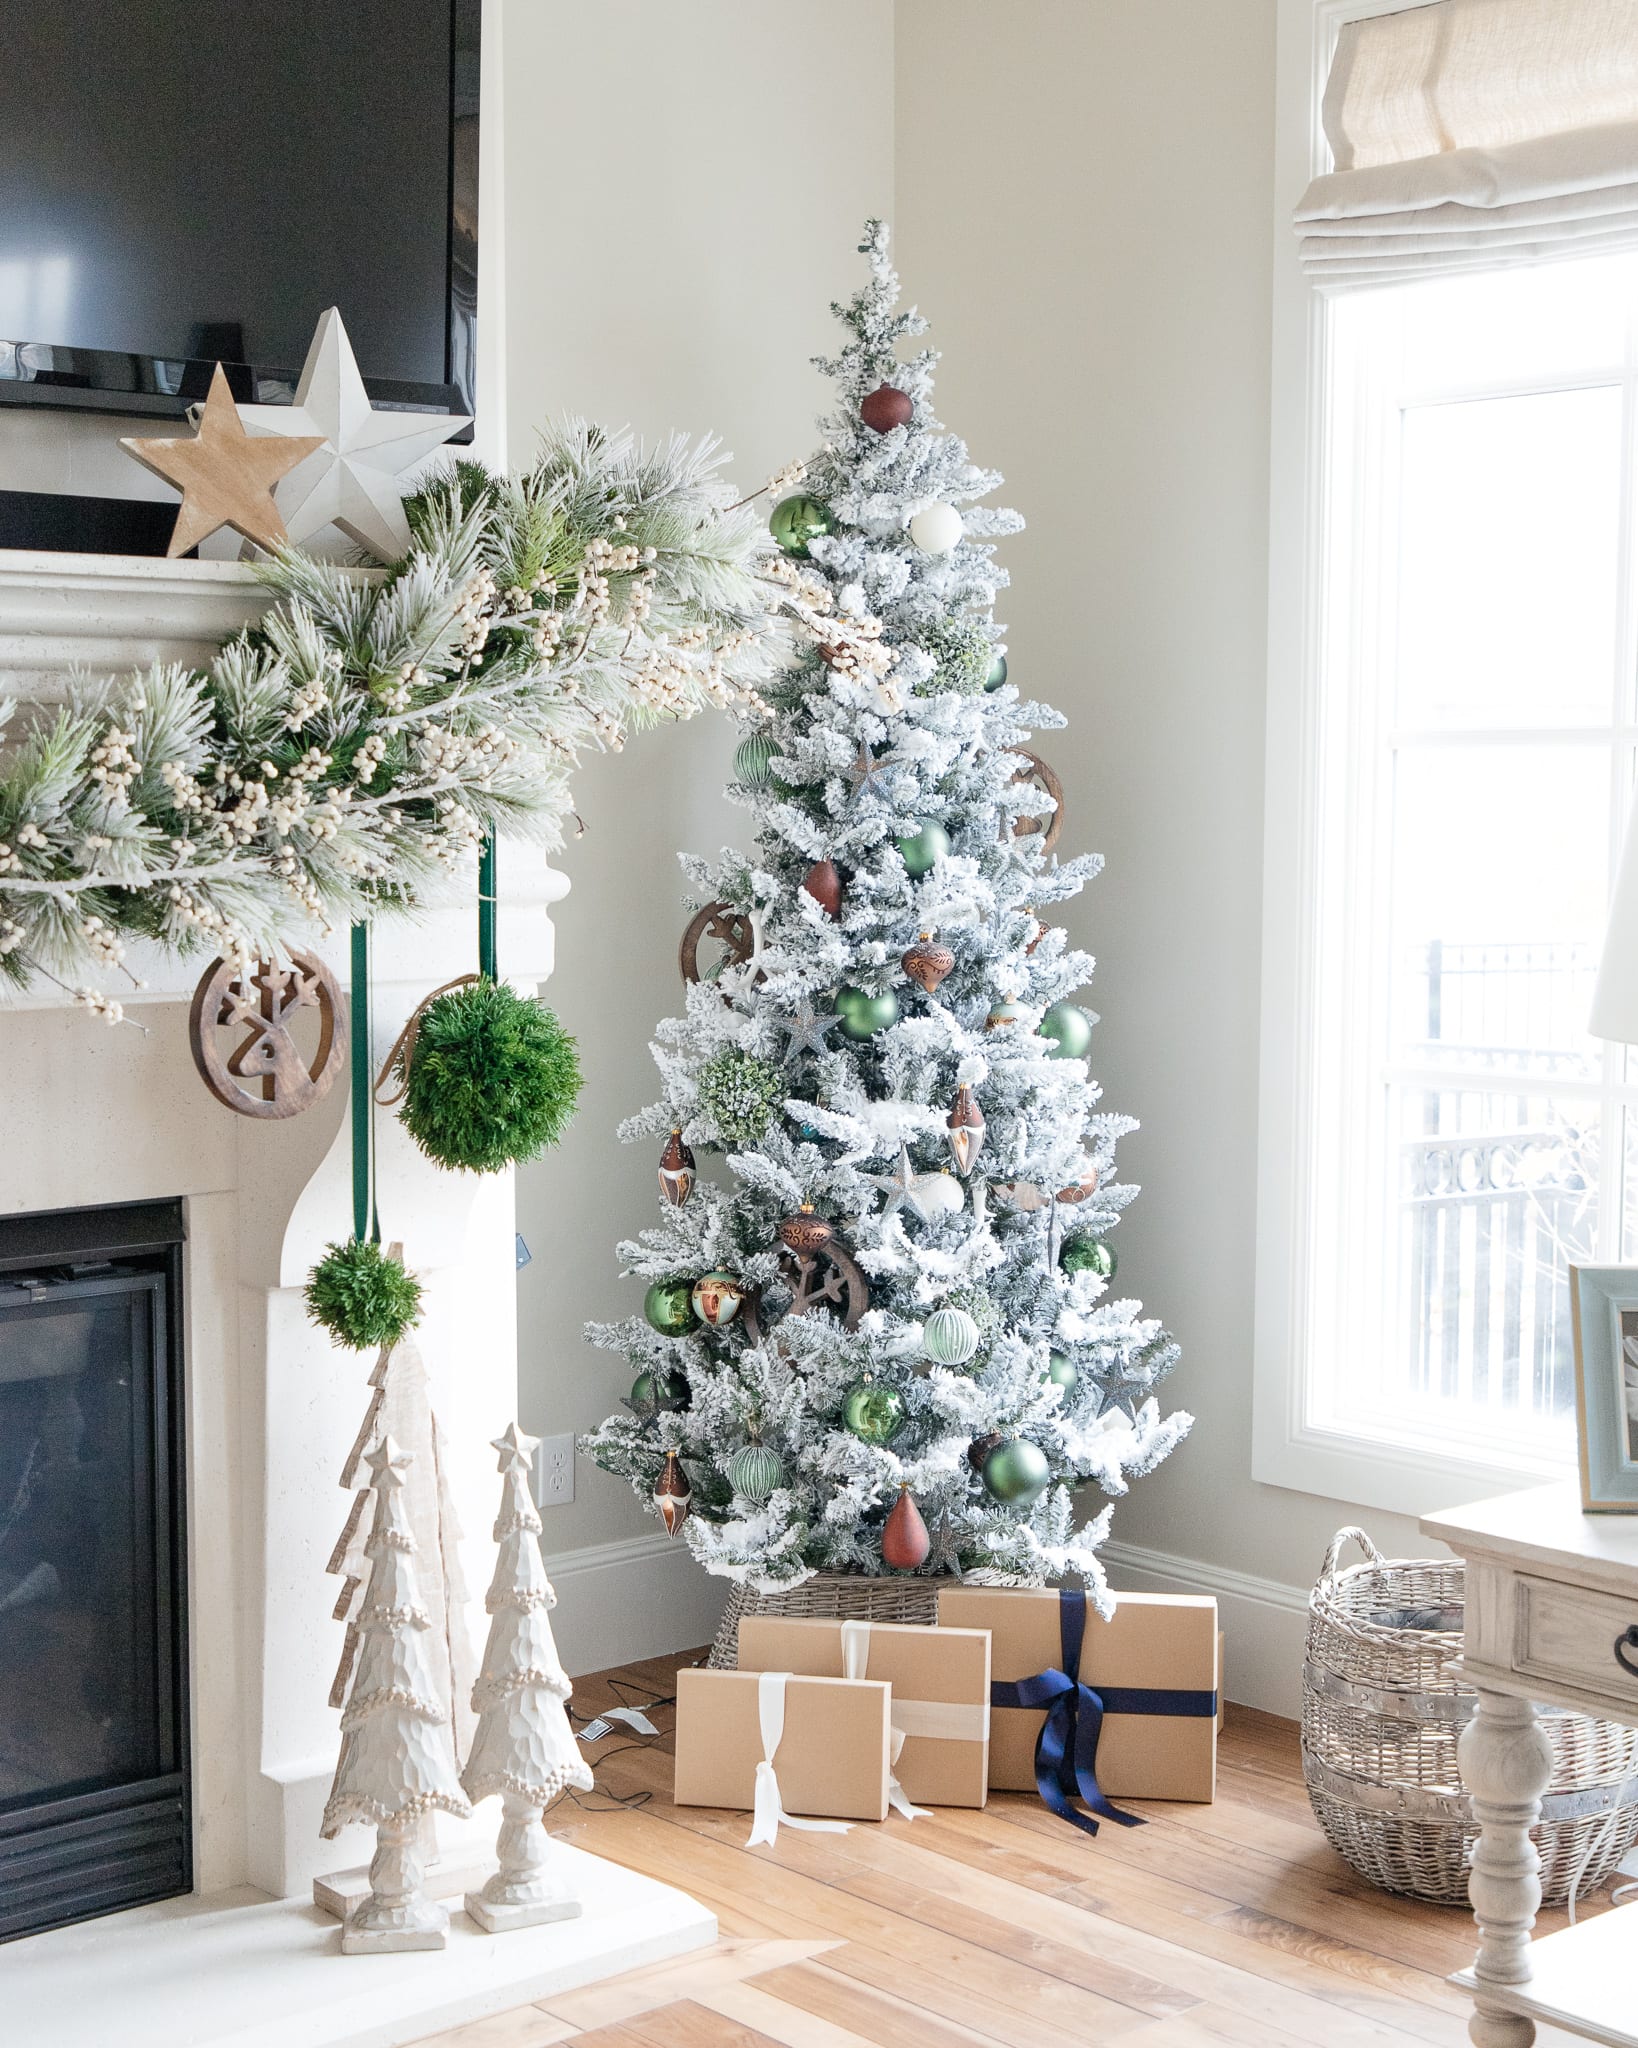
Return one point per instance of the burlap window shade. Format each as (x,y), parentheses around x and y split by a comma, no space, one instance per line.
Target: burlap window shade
(1475,133)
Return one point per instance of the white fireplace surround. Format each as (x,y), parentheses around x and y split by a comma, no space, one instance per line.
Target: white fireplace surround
(98,1115)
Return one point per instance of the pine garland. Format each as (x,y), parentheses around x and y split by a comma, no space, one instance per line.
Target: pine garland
(343,757)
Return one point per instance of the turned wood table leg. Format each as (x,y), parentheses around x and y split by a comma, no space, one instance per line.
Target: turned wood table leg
(1506,1764)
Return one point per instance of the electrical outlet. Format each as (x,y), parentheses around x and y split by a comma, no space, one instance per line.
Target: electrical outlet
(554,1471)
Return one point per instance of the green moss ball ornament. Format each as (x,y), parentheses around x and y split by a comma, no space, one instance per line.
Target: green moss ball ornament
(963,651)
(1068,1031)
(798,520)
(1016,1472)
(737,1096)
(668,1307)
(922,849)
(1088,1255)
(493,1079)
(864,1014)
(361,1297)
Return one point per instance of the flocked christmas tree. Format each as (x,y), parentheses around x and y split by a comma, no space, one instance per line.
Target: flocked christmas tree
(397,1761)
(885,1337)
(524,1748)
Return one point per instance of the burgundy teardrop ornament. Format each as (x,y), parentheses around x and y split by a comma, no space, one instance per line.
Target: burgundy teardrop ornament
(823,882)
(905,1541)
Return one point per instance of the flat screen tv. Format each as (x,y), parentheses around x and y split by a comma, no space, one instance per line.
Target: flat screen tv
(190,181)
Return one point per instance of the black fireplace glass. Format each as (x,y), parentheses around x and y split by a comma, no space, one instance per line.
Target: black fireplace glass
(93,1780)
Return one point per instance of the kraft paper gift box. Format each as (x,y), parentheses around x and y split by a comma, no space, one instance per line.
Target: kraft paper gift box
(827,1742)
(941,1691)
(1154,1667)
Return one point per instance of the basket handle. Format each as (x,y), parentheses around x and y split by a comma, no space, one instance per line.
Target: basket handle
(1328,1570)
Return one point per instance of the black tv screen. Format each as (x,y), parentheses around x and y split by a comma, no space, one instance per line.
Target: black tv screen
(187,181)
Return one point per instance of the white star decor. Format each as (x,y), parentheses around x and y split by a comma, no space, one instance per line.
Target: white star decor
(353,481)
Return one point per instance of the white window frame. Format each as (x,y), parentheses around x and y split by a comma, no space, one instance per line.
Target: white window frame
(1297,1099)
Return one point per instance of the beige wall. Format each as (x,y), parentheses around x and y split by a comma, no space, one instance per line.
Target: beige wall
(685,187)
(1103,308)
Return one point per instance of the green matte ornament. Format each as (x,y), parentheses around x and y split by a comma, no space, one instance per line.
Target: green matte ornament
(756,1472)
(1088,1255)
(650,1393)
(753,759)
(798,520)
(998,673)
(668,1307)
(1061,1371)
(1016,1473)
(874,1413)
(1069,1029)
(949,1336)
(919,850)
(864,1014)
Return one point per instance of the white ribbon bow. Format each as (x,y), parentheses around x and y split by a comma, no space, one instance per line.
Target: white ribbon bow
(855,1658)
(768,1812)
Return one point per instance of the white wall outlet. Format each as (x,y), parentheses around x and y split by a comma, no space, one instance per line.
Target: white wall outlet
(554,1471)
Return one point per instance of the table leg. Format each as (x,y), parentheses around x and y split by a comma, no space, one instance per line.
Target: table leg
(1506,1764)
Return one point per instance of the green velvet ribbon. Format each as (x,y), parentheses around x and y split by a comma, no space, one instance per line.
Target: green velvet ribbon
(366,1220)
(486,909)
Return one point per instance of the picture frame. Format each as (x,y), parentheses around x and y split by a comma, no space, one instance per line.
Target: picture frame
(1604,1317)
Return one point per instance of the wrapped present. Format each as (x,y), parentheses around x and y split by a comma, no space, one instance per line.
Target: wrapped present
(941,1693)
(1087,1709)
(782,1746)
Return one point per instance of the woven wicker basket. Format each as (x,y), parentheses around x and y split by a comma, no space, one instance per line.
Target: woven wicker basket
(828,1596)
(1382,1709)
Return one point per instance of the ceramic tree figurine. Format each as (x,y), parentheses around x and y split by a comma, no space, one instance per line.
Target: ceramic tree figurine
(397,1762)
(524,1748)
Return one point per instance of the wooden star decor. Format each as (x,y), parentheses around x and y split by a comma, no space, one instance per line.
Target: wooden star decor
(226,476)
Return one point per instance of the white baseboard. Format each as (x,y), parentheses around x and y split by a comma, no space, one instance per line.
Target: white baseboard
(1265,1622)
(620,1602)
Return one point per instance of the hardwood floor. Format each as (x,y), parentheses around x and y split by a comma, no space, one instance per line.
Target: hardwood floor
(1234,1923)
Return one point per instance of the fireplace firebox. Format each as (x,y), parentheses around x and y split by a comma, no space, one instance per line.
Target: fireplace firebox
(94,1786)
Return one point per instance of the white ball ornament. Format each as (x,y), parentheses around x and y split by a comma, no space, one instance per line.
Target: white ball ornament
(949,1337)
(936,528)
(935,1194)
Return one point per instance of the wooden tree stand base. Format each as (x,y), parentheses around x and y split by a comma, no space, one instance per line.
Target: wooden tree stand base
(829,1596)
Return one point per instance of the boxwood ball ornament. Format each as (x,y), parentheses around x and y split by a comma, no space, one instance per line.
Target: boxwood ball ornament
(668,1307)
(864,1014)
(798,520)
(1016,1471)
(922,849)
(1069,1029)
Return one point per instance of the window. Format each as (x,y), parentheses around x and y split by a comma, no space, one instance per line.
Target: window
(1471,734)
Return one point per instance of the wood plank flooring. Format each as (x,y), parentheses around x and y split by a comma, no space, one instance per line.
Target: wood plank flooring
(1228,1924)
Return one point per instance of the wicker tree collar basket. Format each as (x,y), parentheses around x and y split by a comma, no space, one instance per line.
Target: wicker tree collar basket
(1383,1707)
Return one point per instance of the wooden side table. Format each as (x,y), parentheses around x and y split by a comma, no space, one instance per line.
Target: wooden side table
(1552,1615)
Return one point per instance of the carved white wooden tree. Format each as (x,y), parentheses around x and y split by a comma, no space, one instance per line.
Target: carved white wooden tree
(397,1762)
(524,1748)
(401,1407)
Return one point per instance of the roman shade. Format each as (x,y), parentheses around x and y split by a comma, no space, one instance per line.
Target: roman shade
(1475,133)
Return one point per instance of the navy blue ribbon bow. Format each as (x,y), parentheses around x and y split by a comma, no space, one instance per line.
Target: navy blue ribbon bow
(1066,1750)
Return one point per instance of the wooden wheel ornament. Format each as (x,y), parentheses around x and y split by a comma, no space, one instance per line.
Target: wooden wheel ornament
(1039,776)
(828,1279)
(267,1074)
(733,930)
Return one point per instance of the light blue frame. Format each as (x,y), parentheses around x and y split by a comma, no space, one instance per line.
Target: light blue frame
(1599,1298)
